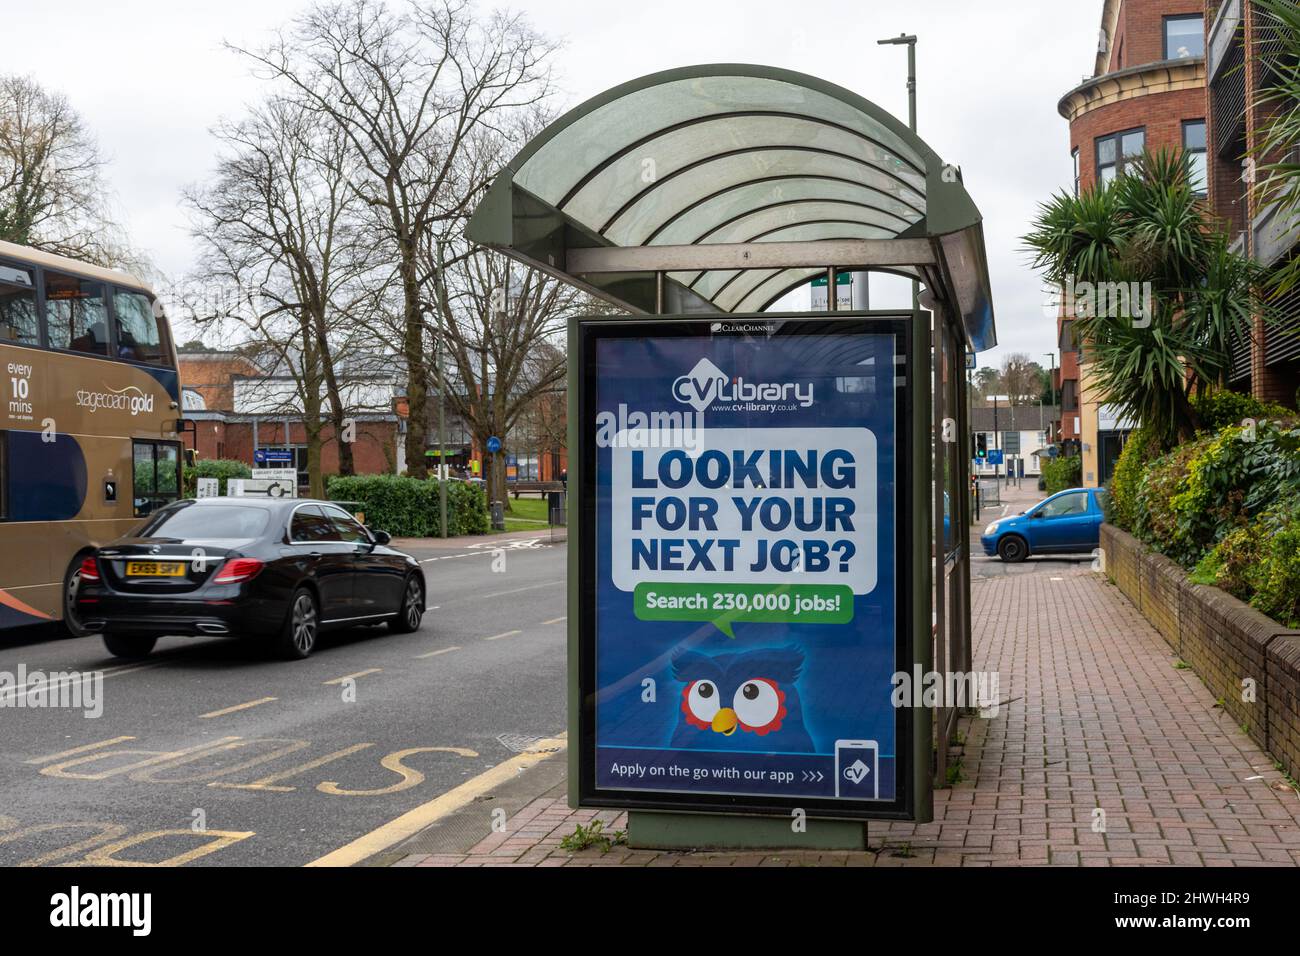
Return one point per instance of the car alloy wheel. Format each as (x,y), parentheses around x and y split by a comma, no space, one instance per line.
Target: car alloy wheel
(411,609)
(414,605)
(304,623)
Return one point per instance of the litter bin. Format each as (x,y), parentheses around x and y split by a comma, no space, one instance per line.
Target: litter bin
(498,511)
(555,505)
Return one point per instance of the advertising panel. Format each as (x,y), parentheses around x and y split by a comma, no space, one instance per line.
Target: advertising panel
(743,487)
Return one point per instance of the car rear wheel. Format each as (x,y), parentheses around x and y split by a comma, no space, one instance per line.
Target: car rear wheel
(70,625)
(1012,549)
(301,626)
(411,610)
(130,646)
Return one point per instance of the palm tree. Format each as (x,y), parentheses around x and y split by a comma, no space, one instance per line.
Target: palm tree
(1146,233)
(1278,177)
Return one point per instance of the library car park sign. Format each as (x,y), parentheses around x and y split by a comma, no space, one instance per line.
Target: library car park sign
(742,487)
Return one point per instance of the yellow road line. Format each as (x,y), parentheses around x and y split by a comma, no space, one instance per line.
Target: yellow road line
(340,680)
(445,650)
(497,637)
(413,821)
(556,620)
(231,710)
(78,750)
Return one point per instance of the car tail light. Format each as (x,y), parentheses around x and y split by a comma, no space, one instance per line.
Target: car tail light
(237,570)
(89,569)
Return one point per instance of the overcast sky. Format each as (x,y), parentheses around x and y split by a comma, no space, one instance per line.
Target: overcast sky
(150,77)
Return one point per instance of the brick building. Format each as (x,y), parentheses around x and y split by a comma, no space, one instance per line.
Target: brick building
(1239,54)
(1147,91)
(238,405)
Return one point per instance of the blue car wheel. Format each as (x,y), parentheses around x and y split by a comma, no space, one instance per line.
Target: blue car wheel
(1012,549)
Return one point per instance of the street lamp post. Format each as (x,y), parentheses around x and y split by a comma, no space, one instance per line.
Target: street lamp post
(908,40)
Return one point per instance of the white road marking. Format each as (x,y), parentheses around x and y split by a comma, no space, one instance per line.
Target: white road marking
(340,680)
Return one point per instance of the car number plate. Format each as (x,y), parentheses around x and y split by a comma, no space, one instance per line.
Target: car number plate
(155,569)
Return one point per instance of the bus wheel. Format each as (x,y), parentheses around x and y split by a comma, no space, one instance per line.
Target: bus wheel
(130,646)
(70,625)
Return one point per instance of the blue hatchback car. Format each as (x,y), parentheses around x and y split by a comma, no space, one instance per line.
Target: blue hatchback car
(1068,521)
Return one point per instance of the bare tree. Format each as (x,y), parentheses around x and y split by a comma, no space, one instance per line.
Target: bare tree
(277,227)
(503,337)
(1021,380)
(409,90)
(52,190)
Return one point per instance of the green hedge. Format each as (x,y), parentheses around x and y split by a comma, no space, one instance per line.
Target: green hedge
(1225,504)
(1260,563)
(1062,473)
(222,469)
(1219,409)
(1141,448)
(408,507)
(1194,497)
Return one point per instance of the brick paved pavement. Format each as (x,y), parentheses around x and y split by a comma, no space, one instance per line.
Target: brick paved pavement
(1096,717)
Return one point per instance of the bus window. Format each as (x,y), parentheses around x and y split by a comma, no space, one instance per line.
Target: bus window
(155,475)
(75,314)
(18,321)
(137,327)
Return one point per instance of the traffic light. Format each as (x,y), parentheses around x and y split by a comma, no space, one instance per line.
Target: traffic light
(981,445)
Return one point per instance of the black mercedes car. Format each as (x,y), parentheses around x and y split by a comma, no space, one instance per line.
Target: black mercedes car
(276,569)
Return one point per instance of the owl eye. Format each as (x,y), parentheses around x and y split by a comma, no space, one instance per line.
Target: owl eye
(702,700)
(758,704)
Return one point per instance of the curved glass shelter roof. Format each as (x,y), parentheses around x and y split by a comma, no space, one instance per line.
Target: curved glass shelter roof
(721,188)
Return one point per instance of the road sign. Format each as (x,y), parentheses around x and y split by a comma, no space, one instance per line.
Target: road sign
(751,576)
(272,456)
(261,488)
(994,456)
(1011,443)
(494,444)
(277,474)
(206,487)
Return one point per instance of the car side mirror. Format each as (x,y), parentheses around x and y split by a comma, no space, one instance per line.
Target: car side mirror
(1036,514)
(380,537)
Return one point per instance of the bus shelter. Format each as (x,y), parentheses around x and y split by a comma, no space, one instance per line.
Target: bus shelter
(770,537)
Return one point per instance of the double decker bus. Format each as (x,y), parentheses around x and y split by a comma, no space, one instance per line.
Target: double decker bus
(89,424)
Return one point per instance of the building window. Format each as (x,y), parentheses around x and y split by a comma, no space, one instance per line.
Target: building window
(156,475)
(1194,146)
(1184,37)
(1074,155)
(1116,151)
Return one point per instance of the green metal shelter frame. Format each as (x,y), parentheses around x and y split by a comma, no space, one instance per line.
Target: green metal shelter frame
(721,188)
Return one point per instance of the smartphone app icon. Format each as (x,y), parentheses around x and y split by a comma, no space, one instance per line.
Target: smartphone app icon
(857,767)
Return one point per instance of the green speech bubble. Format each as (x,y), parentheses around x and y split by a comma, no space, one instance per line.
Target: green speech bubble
(726,604)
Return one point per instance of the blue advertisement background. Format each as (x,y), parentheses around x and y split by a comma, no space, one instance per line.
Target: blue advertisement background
(843,689)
